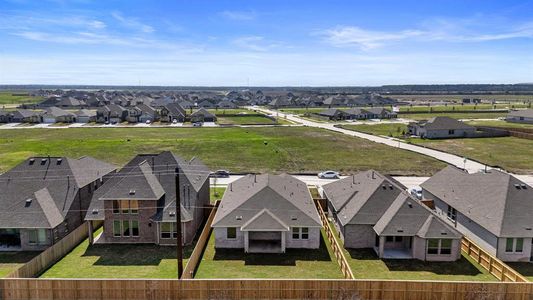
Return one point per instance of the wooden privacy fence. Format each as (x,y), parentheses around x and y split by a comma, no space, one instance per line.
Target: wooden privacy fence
(337,249)
(489,262)
(196,255)
(53,254)
(137,289)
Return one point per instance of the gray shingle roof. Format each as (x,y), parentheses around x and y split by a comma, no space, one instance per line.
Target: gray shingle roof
(445,123)
(497,201)
(526,113)
(141,184)
(285,197)
(39,192)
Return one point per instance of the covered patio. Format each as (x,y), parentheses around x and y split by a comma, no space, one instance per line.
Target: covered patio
(10,239)
(394,247)
(264,233)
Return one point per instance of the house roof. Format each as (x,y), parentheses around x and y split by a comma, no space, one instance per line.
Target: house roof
(202,111)
(444,123)
(39,192)
(175,109)
(408,217)
(153,175)
(332,112)
(286,199)
(362,198)
(497,201)
(525,113)
(56,112)
(265,220)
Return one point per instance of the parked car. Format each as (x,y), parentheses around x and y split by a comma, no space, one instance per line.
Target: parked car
(220,174)
(197,124)
(174,121)
(416,192)
(148,122)
(328,175)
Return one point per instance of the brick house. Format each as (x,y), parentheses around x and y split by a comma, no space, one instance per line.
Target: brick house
(138,204)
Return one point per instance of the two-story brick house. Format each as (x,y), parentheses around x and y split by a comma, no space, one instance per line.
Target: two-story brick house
(138,204)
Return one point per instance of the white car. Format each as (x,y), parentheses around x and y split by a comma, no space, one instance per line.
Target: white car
(328,175)
(416,192)
(148,122)
(174,121)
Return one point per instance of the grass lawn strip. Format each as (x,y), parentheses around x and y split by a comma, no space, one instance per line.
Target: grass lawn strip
(10,261)
(294,264)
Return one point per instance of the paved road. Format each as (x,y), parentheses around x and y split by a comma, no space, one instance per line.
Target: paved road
(461,162)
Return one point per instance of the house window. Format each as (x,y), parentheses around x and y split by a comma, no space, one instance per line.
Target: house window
(116,229)
(124,207)
(389,239)
(451,132)
(116,209)
(166,229)
(439,246)
(300,233)
(514,245)
(134,207)
(125,228)
(134,228)
(452,213)
(37,236)
(231,233)
(174,230)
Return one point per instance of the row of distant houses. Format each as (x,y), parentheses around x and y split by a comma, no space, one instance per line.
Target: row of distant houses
(108,114)
(356,113)
(44,198)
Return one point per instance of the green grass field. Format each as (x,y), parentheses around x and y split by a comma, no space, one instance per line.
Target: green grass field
(459,98)
(10,261)
(250,120)
(7,98)
(473,115)
(118,261)
(269,149)
(500,123)
(386,129)
(294,264)
(216,193)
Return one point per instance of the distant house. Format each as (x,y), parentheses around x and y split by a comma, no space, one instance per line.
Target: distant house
(85,116)
(5,116)
(334,114)
(206,104)
(373,211)
(202,115)
(37,213)
(71,102)
(333,101)
(520,116)
(26,116)
(441,127)
(55,114)
(494,209)
(267,214)
(226,104)
(279,102)
(138,203)
(111,113)
(380,113)
(171,112)
(141,113)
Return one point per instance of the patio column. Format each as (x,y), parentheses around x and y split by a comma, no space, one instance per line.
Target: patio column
(246,242)
(283,237)
(381,246)
(90,225)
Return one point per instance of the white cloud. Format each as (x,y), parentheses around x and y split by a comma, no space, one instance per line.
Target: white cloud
(238,15)
(132,23)
(97,24)
(365,39)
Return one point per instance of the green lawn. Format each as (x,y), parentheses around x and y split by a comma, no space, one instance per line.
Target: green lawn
(524,268)
(365,264)
(267,149)
(118,261)
(231,111)
(250,120)
(294,264)
(510,153)
(8,98)
(216,193)
(500,123)
(516,99)
(387,129)
(10,261)
(473,115)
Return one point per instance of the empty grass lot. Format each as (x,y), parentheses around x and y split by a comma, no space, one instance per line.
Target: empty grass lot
(248,120)
(365,264)
(468,115)
(386,129)
(500,123)
(118,261)
(7,98)
(295,263)
(10,261)
(267,149)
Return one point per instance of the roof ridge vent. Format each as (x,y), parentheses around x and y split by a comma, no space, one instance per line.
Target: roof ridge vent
(132,192)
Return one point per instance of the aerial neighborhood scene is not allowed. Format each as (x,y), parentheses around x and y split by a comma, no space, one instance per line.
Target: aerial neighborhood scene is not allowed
(272,150)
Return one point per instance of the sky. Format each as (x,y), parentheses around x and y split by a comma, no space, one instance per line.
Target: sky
(265,42)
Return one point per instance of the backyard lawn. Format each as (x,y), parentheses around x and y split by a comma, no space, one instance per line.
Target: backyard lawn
(266,149)
(118,261)
(216,193)
(524,268)
(294,264)
(10,261)
(365,264)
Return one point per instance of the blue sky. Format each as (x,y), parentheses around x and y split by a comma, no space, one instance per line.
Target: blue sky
(265,42)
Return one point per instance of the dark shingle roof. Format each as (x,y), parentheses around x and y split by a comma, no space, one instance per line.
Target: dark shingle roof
(445,123)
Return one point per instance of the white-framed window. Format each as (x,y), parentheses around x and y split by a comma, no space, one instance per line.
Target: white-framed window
(37,236)
(439,246)
(514,245)
(300,233)
(231,233)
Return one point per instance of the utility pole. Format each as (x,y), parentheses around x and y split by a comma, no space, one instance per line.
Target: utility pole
(178,224)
